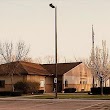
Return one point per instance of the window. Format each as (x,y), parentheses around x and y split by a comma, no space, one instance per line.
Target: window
(84,82)
(66,83)
(42,84)
(2,83)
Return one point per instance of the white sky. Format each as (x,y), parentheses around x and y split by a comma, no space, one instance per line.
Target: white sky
(33,22)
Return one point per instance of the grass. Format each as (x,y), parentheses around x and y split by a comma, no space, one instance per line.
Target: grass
(69,96)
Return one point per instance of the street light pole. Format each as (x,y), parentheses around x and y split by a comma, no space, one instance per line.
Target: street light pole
(55,79)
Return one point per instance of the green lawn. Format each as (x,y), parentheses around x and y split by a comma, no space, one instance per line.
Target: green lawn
(69,96)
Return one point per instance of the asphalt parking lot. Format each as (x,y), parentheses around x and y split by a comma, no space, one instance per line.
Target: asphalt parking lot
(53,104)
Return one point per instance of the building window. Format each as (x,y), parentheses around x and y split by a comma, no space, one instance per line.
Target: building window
(66,83)
(2,83)
(84,82)
(42,84)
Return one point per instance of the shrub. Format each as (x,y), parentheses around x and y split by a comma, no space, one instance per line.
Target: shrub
(5,93)
(106,90)
(9,93)
(69,90)
(26,87)
(40,91)
(16,93)
(97,90)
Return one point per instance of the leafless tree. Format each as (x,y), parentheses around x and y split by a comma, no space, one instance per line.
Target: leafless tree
(99,64)
(6,50)
(38,60)
(21,51)
(10,54)
(28,59)
(49,59)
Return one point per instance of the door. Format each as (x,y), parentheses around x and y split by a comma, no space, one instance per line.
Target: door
(59,86)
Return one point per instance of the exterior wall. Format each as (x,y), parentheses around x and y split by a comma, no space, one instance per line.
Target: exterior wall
(108,82)
(46,82)
(49,85)
(39,79)
(8,82)
(35,78)
(105,83)
(96,82)
(79,77)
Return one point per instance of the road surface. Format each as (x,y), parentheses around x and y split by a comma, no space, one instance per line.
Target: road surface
(53,104)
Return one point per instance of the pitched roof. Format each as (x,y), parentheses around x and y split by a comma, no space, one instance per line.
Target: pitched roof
(22,68)
(61,67)
(25,68)
(33,68)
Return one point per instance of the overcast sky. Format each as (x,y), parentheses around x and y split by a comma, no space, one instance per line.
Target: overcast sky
(33,22)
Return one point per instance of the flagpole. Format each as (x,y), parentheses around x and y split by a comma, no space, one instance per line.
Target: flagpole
(93,54)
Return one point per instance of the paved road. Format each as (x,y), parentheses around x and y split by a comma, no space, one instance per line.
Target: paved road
(53,104)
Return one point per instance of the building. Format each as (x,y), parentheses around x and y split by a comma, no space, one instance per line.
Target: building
(75,75)
(24,71)
(70,75)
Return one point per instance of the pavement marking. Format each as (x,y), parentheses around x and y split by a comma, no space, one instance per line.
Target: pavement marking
(90,106)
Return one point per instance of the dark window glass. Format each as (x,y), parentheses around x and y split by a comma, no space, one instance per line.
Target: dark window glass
(66,83)
(2,83)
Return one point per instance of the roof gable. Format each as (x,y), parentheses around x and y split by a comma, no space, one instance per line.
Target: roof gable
(61,67)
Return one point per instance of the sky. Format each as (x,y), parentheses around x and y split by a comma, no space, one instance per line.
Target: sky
(32,21)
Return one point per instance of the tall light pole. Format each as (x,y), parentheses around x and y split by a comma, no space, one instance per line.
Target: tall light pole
(55,79)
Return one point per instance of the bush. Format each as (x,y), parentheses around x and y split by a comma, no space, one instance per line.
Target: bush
(38,92)
(106,90)
(16,93)
(9,93)
(5,93)
(69,90)
(97,90)
(26,87)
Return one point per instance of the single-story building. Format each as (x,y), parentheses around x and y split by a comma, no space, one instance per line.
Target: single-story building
(70,75)
(24,71)
(75,75)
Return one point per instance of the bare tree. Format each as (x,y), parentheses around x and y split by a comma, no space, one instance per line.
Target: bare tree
(21,51)
(49,59)
(38,60)
(9,55)
(100,64)
(6,50)
(66,60)
(28,59)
